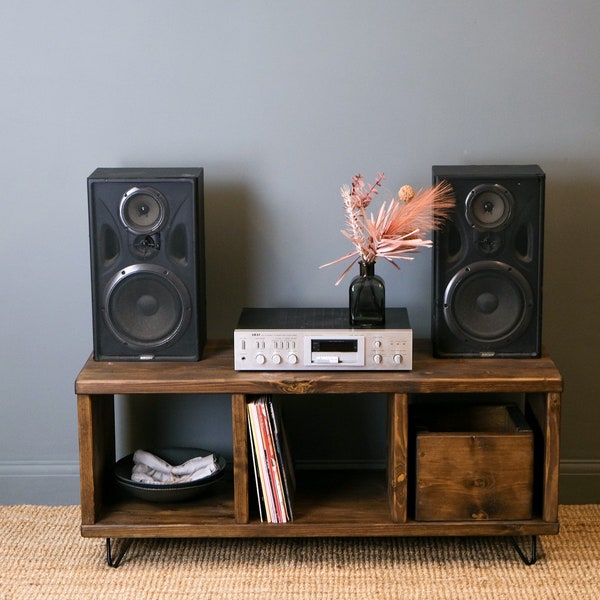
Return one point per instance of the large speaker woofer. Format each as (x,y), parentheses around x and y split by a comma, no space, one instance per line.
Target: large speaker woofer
(146,306)
(487,263)
(488,302)
(147,263)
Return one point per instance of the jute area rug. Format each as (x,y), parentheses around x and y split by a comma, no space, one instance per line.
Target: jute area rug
(42,555)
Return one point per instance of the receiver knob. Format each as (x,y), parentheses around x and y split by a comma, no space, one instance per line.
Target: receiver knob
(276,359)
(397,358)
(260,359)
(292,359)
(377,359)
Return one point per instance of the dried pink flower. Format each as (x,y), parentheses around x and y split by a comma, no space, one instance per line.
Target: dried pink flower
(400,227)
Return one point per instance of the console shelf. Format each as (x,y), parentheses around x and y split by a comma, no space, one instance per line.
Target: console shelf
(327,503)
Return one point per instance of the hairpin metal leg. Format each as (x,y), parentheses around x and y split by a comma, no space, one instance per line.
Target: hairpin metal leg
(115,562)
(528,560)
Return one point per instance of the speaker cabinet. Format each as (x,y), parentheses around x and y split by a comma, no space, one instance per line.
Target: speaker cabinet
(147,263)
(487,271)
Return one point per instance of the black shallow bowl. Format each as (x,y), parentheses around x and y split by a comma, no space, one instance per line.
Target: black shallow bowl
(172,492)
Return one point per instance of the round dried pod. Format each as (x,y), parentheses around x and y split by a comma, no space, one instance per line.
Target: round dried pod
(406,193)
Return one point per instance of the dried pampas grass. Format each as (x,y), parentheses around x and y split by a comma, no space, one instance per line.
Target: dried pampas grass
(401,225)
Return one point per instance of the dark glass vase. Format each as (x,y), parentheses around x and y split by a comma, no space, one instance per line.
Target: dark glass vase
(367,298)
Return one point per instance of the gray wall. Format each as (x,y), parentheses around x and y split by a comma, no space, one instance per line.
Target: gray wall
(281,103)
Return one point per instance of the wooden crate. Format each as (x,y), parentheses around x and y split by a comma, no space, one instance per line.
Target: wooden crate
(473,463)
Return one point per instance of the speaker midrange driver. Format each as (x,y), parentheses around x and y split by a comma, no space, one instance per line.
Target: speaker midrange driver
(489,206)
(143,210)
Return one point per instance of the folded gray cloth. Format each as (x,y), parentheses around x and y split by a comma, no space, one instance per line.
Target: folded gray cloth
(148,468)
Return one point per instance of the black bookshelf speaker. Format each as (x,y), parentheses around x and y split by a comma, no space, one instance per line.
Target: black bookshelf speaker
(147,263)
(487,263)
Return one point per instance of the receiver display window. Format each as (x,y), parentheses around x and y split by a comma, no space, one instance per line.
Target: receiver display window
(334,345)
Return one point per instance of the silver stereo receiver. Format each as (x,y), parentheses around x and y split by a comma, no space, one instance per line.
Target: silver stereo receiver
(320,339)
